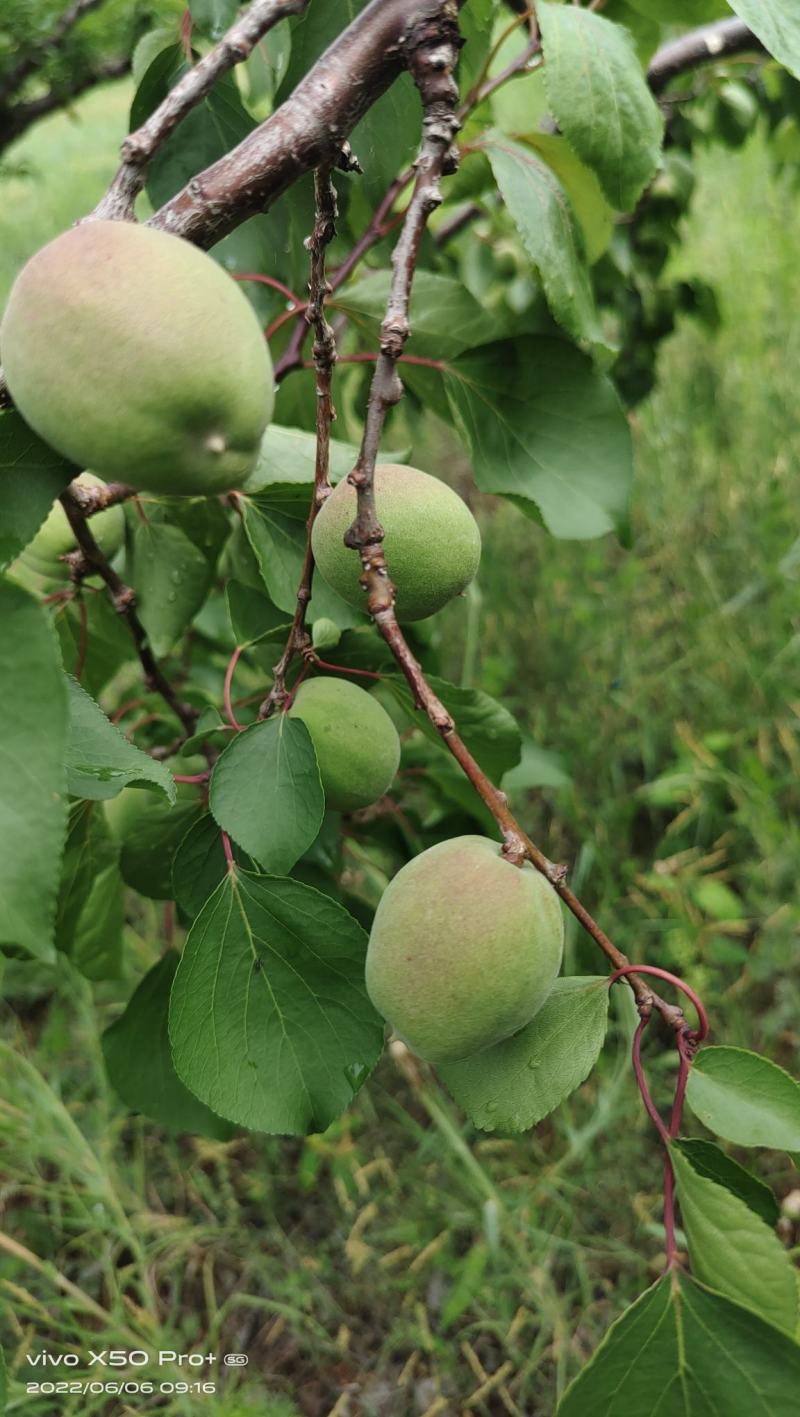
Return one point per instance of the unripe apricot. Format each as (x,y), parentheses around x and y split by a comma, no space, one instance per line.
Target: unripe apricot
(432,541)
(356,743)
(465,948)
(55,536)
(133,353)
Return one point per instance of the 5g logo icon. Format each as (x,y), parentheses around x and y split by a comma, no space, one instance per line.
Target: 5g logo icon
(236,1360)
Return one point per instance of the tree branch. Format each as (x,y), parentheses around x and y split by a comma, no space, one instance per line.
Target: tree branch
(124,601)
(706,45)
(433,72)
(139,147)
(324,231)
(311,127)
(16,119)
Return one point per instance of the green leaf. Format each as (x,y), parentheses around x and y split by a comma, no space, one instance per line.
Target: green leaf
(97,943)
(200,864)
(777,25)
(487,727)
(139,1062)
(732,1249)
(445,319)
(707,1159)
(543,426)
(210,130)
(213,17)
(252,615)
(105,647)
(33,809)
(279,543)
(171,577)
(99,759)
(387,138)
(595,216)
(288,455)
(537,767)
(745,1098)
(683,1351)
(543,215)
(600,99)
(88,925)
(475,23)
(270,1023)
(513,1085)
(266,792)
(32,475)
(3,1383)
(146,857)
(689,12)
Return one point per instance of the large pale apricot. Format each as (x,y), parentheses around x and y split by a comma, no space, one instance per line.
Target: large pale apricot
(465,948)
(55,536)
(432,541)
(133,353)
(356,743)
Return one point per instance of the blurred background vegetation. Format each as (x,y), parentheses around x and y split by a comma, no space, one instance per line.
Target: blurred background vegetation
(401,1263)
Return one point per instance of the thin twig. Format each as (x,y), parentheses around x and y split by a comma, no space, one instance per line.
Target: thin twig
(139,147)
(123,599)
(325,214)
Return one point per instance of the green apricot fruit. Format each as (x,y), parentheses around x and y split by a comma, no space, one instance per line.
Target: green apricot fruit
(432,541)
(356,743)
(132,352)
(465,948)
(55,536)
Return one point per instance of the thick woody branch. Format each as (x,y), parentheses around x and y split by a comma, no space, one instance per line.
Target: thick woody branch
(326,212)
(711,43)
(310,129)
(124,602)
(234,47)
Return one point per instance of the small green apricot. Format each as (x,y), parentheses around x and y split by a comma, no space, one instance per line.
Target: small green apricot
(432,541)
(356,743)
(464,950)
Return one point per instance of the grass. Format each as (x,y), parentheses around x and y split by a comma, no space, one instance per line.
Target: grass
(402,1264)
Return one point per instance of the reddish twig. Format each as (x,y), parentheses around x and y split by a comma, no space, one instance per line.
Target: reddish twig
(372,357)
(345,669)
(226,847)
(641,1081)
(694,1036)
(687,1041)
(194,778)
(272,283)
(324,361)
(226,692)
